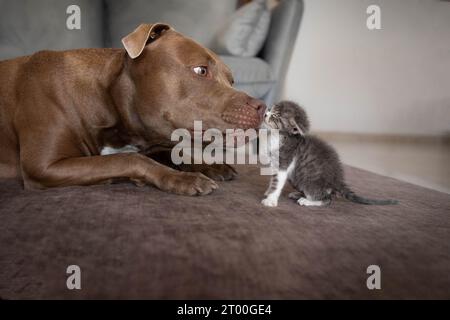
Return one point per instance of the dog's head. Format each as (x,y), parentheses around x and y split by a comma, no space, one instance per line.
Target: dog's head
(177,81)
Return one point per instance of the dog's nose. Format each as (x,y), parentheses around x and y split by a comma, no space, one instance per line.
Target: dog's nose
(259,106)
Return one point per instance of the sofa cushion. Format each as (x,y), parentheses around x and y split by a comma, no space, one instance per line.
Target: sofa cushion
(252,75)
(27,26)
(143,243)
(246,31)
(199,19)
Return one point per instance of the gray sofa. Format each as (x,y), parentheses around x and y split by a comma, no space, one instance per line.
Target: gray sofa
(27,26)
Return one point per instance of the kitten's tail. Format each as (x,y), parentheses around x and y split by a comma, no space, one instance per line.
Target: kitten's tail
(353,197)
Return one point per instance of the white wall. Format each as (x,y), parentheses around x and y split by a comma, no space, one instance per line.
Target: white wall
(395,80)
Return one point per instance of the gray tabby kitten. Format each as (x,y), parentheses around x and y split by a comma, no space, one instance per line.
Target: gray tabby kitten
(311,165)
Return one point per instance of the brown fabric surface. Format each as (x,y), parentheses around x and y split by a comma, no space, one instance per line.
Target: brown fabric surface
(135,242)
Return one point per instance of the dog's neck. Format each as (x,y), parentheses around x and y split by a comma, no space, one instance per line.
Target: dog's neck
(123,94)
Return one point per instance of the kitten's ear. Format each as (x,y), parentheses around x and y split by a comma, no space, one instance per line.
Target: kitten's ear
(294,128)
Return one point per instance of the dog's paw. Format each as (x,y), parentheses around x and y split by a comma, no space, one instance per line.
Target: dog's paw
(187,183)
(269,202)
(218,172)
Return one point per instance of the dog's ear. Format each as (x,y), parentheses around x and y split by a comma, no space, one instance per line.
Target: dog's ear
(135,42)
(294,128)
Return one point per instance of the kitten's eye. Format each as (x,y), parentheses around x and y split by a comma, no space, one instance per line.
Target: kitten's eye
(201,71)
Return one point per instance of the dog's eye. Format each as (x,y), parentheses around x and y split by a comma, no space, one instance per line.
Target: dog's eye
(201,71)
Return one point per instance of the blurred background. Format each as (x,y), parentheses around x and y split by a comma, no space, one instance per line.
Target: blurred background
(381,97)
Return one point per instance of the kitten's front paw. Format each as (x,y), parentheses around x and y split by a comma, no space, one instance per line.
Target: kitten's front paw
(269,202)
(311,203)
(296,195)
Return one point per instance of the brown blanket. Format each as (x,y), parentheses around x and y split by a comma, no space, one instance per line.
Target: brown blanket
(135,242)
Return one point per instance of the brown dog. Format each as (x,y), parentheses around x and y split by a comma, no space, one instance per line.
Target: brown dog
(59,110)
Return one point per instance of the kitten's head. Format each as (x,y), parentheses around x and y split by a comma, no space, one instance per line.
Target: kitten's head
(289,117)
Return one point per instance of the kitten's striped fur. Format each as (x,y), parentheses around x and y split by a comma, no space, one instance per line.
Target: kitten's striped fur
(311,166)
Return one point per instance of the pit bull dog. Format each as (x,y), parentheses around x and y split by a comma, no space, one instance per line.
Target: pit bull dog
(60,110)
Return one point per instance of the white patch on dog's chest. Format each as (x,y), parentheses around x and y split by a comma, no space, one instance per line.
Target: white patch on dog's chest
(125,149)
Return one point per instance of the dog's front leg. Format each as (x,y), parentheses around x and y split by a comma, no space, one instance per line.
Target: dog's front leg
(100,169)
